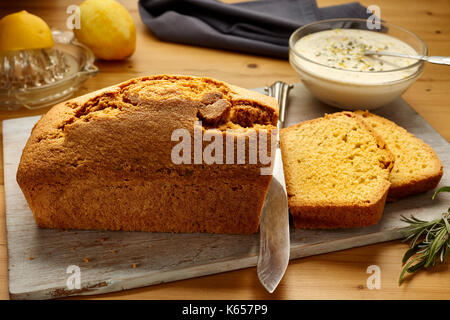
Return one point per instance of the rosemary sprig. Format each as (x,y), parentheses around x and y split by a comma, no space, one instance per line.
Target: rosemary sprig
(429,241)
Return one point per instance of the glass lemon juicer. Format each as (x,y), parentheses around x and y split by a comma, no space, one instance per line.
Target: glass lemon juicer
(39,78)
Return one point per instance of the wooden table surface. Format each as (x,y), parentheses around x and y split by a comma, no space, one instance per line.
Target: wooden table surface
(339,275)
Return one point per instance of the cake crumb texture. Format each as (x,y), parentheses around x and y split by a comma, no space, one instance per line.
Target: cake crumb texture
(417,167)
(337,172)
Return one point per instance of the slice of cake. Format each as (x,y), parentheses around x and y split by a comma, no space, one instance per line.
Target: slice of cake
(337,172)
(417,167)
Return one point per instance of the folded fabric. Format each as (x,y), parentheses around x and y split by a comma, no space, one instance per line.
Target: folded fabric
(257,27)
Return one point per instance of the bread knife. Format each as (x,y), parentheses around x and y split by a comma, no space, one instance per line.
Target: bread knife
(274,245)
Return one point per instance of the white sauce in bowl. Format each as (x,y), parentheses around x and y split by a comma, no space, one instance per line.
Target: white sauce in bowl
(338,51)
(332,65)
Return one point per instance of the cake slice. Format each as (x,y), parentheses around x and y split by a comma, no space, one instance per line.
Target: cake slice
(336,171)
(417,167)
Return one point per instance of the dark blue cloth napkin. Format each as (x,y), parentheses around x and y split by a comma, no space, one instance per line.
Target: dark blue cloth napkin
(258,27)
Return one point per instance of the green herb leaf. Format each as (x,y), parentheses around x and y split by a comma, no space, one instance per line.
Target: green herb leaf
(443,189)
(409,254)
(429,241)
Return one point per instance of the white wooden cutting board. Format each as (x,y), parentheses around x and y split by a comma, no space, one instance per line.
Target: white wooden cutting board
(39,258)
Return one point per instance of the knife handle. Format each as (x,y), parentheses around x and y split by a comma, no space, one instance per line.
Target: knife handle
(280,91)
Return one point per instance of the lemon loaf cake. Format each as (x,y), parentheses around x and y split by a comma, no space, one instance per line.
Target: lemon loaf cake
(417,167)
(105,160)
(337,172)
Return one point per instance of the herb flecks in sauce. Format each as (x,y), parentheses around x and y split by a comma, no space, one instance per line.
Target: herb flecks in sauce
(345,49)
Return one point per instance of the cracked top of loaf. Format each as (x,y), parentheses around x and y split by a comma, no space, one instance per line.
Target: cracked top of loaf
(127,127)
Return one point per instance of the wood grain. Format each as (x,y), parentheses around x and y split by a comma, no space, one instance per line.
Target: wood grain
(38,258)
(314,277)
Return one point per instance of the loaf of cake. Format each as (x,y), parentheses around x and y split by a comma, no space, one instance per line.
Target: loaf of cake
(337,172)
(417,167)
(109,160)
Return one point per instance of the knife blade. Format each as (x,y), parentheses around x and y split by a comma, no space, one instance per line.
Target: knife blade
(274,246)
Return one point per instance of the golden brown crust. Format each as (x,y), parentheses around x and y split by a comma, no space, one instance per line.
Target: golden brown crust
(332,215)
(103,160)
(414,187)
(421,182)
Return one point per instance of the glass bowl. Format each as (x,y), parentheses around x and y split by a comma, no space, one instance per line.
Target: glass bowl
(36,79)
(352,89)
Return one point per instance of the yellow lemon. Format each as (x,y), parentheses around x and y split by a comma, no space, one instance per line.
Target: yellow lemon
(107,29)
(22,30)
